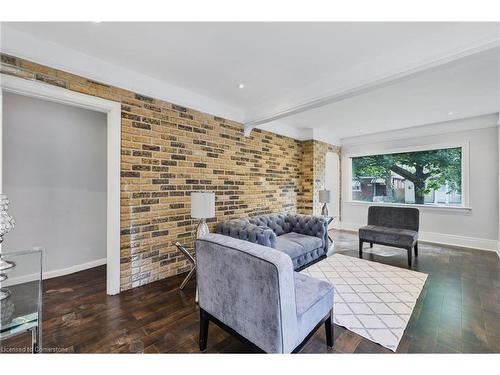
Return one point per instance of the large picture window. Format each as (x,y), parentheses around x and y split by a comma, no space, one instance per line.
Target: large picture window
(428,177)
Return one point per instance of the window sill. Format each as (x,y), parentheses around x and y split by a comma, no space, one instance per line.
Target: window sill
(421,206)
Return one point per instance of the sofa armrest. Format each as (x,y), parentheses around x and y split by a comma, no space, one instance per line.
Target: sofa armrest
(248,232)
(316,226)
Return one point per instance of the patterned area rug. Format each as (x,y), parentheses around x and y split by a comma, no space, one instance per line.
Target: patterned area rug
(371,299)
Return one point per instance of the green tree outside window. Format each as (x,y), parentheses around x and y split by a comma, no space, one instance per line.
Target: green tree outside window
(427,170)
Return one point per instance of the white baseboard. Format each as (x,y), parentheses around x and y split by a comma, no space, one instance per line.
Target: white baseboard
(54,273)
(441,238)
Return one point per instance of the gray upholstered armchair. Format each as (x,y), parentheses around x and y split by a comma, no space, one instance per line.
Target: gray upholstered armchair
(253,292)
(303,237)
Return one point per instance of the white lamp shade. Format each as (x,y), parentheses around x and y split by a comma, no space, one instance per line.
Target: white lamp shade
(324,196)
(202,205)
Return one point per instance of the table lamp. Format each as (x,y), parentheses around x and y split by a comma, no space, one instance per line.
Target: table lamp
(324,197)
(202,207)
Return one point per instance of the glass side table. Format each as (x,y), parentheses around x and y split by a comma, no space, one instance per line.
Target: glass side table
(21,311)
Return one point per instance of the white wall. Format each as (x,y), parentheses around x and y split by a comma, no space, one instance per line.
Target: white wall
(478,227)
(54,173)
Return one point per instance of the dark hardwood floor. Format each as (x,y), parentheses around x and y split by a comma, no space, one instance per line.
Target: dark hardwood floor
(458,311)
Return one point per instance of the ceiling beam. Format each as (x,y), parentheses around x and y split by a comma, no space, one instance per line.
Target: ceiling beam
(370,85)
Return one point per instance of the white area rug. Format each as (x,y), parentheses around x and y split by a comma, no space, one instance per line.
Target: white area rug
(371,299)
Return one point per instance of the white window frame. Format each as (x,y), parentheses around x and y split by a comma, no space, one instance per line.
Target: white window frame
(465,174)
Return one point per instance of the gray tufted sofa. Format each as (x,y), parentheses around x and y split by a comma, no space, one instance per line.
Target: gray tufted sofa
(304,238)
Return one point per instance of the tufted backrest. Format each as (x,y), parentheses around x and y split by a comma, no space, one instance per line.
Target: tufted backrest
(246,231)
(277,222)
(264,229)
(308,225)
(394,217)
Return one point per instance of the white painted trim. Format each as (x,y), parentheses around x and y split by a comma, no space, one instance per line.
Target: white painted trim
(373,84)
(247,130)
(419,206)
(465,171)
(398,150)
(113,110)
(439,238)
(41,90)
(27,46)
(55,273)
(498,212)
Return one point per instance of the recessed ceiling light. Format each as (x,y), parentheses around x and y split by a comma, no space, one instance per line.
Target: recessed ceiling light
(450,113)
(241,86)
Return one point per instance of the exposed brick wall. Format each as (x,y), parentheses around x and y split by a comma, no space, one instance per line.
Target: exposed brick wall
(169,151)
(305,202)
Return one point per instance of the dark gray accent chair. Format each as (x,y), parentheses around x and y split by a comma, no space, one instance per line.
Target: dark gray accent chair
(253,292)
(303,237)
(391,226)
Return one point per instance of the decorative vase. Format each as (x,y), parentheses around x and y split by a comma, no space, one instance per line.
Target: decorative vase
(324,210)
(7,223)
(7,309)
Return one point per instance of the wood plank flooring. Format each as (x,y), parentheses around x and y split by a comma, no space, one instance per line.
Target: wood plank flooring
(457,312)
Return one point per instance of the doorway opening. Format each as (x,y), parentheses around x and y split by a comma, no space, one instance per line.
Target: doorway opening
(61,170)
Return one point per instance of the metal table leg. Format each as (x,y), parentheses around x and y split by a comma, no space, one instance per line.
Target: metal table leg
(191,259)
(35,340)
(188,277)
(329,219)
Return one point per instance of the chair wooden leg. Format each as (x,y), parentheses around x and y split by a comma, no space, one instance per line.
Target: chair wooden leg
(416,249)
(361,248)
(409,257)
(371,245)
(203,330)
(329,330)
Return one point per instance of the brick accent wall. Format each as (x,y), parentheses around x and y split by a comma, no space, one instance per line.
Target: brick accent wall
(305,202)
(168,151)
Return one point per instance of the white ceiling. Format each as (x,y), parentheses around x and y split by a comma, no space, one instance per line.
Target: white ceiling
(284,65)
(464,88)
